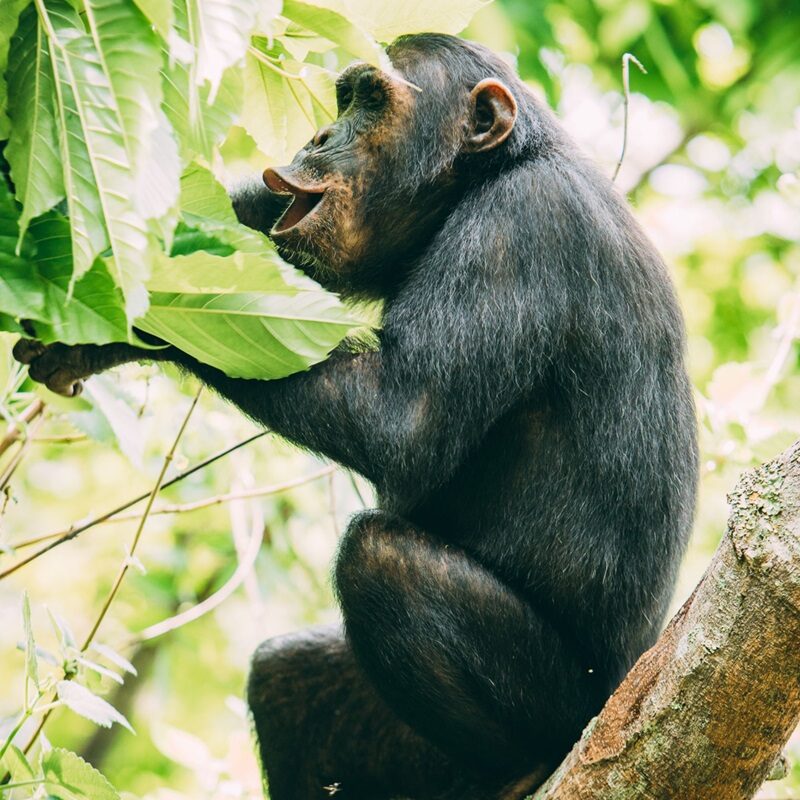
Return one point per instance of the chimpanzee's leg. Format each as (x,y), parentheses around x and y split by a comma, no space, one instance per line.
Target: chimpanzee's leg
(456,654)
(323,730)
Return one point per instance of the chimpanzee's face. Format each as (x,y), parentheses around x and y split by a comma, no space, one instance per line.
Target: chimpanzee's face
(371,189)
(341,218)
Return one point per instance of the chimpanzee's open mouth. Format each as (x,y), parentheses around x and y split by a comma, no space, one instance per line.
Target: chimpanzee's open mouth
(304,199)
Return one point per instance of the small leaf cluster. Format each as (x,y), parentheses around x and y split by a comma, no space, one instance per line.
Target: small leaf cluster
(59,772)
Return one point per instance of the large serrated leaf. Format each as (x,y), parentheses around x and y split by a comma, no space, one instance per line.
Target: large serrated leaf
(17,765)
(160,13)
(205,273)
(94,312)
(9,14)
(269,332)
(220,32)
(336,28)
(199,119)
(68,777)
(32,149)
(99,176)
(205,205)
(132,59)
(282,113)
(386,21)
(20,292)
(202,195)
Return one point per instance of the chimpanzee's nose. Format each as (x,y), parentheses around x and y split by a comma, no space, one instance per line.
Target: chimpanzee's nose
(322,136)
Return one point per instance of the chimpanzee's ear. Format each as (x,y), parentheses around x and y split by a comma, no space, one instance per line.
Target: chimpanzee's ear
(493,113)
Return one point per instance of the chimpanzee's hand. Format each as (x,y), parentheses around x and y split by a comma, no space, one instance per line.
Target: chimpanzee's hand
(62,368)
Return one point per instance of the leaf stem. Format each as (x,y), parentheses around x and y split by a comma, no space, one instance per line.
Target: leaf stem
(23,718)
(17,784)
(145,514)
(18,426)
(626,93)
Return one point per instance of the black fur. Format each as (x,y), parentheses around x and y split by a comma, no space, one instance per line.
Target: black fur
(528,424)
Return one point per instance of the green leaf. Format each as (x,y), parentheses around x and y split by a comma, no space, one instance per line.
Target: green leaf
(94,312)
(31,664)
(204,273)
(17,765)
(66,639)
(9,13)
(282,113)
(99,175)
(100,669)
(270,330)
(189,240)
(206,205)
(114,657)
(32,149)
(202,195)
(386,21)
(336,28)
(199,119)
(68,777)
(80,700)
(219,31)
(9,324)
(20,292)
(160,13)
(131,58)
(113,404)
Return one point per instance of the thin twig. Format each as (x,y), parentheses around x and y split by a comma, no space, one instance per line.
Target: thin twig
(182,508)
(128,558)
(246,494)
(75,531)
(68,438)
(16,460)
(17,428)
(626,91)
(34,737)
(145,514)
(243,568)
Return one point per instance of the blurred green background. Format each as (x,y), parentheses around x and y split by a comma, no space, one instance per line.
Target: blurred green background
(713,172)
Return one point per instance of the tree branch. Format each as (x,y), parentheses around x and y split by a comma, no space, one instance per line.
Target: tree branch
(703,714)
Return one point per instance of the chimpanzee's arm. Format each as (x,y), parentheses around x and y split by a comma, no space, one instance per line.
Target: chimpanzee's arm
(399,418)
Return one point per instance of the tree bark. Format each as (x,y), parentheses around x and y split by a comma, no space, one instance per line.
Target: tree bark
(704,713)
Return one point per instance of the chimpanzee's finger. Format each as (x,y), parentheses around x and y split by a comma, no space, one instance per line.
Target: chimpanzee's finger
(64,383)
(26,350)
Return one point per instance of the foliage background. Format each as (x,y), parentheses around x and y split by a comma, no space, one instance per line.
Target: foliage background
(713,170)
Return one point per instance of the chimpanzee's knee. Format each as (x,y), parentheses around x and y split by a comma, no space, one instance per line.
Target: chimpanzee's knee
(373,550)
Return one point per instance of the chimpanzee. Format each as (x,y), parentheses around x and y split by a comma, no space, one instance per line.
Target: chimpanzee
(526,420)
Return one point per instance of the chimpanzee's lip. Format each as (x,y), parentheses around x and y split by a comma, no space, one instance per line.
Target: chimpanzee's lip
(305,199)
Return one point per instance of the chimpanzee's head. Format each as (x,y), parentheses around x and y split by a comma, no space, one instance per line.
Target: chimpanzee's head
(372,188)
